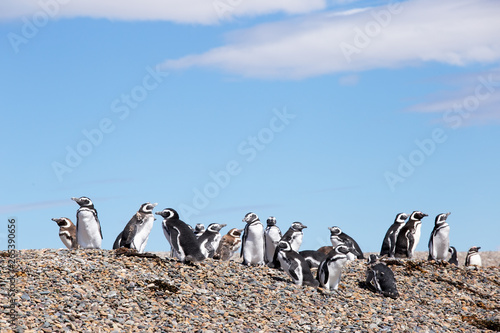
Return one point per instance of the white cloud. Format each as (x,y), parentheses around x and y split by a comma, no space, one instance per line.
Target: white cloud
(180,11)
(455,32)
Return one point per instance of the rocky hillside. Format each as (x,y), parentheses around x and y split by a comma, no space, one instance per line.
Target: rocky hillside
(101,291)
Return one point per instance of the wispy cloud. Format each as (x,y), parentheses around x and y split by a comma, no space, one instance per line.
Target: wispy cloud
(470,99)
(14,209)
(185,11)
(455,32)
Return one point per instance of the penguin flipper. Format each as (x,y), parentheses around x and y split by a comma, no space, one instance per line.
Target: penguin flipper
(293,270)
(129,233)
(117,243)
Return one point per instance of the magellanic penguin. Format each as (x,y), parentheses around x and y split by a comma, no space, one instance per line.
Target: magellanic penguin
(199,229)
(473,258)
(337,237)
(209,240)
(409,236)
(135,235)
(88,227)
(229,244)
(293,236)
(453,256)
(389,244)
(380,278)
(183,242)
(252,245)
(330,269)
(439,242)
(313,258)
(295,266)
(272,237)
(67,232)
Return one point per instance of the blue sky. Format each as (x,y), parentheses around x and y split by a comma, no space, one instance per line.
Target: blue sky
(326,112)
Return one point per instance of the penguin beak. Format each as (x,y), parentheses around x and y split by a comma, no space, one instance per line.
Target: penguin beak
(158,213)
(223,225)
(74,199)
(448,214)
(54,219)
(155,204)
(424,215)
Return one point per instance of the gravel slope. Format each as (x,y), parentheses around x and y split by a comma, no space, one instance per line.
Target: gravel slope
(100,291)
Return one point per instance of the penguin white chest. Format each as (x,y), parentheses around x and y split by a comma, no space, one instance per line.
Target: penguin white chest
(416,236)
(88,234)
(475,260)
(297,241)
(142,236)
(441,243)
(65,237)
(253,251)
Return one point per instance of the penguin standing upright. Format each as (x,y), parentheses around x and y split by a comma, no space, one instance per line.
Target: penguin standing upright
(295,266)
(272,238)
(409,236)
(88,227)
(252,245)
(330,269)
(135,235)
(209,240)
(67,232)
(453,256)
(183,242)
(380,278)
(389,244)
(293,236)
(229,244)
(338,237)
(473,258)
(439,242)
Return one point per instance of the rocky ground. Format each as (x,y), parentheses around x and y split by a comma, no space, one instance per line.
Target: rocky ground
(101,291)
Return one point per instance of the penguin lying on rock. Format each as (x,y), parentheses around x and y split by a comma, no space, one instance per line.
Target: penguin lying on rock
(380,278)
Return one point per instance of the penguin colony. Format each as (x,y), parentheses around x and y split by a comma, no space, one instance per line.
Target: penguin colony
(267,246)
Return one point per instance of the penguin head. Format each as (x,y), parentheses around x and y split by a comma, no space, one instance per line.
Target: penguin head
(284,246)
(401,218)
(417,215)
(474,249)
(83,202)
(298,226)
(235,232)
(199,227)
(147,208)
(441,218)
(63,222)
(215,227)
(452,250)
(271,221)
(334,231)
(372,259)
(168,213)
(250,218)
